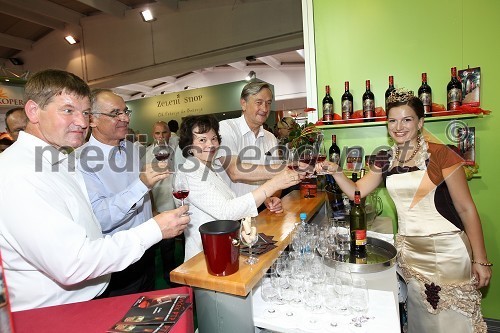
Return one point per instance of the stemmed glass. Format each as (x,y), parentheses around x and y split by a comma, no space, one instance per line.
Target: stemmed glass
(358,301)
(161,149)
(249,236)
(180,188)
(343,287)
(269,292)
(323,246)
(292,159)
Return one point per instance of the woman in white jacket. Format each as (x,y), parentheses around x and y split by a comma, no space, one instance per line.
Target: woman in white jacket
(210,198)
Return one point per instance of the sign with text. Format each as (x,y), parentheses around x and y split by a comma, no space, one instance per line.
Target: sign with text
(11,95)
(210,100)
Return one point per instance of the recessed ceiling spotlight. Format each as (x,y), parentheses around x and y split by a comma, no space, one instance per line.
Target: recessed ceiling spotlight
(71,40)
(251,76)
(147,16)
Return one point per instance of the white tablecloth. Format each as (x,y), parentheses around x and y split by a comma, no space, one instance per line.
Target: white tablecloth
(382,308)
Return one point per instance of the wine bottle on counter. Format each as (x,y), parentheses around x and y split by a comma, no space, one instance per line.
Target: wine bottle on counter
(327,106)
(454,91)
(334,151)
(368,103)
(347,102)
(358,225)
(389,90)
(425,95)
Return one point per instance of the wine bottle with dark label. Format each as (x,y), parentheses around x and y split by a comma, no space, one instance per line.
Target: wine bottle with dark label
(334,194)
(389,90)
(334,151)
(425,95)
(347,100)
(358,225)
(454,91)
(327,106)
(368,103)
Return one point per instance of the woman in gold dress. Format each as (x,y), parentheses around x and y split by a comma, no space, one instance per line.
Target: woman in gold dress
(440,242)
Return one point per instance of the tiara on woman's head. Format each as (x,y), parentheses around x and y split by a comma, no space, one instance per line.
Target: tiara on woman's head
(400,95)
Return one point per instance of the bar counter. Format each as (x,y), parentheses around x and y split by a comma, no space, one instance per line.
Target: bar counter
(194,272)
(224,303)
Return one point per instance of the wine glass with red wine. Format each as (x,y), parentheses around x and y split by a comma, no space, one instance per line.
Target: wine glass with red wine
(161,150)
(180,188)
(292,161)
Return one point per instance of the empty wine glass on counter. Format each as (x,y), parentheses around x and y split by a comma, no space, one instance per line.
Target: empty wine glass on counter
(269,294)
(249,237)
(180,188)
(343,287)
(358,301)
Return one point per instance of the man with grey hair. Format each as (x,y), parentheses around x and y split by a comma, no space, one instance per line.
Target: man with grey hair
(15,122)
(244,139)
(52,245)
(118,188)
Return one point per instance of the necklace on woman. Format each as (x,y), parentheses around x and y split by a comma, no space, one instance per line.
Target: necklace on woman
(398,153)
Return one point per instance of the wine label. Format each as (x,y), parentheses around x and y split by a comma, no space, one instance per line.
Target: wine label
(368,108)
(346,109)
(360,237)
(327,112)
(454,98)
(335,158)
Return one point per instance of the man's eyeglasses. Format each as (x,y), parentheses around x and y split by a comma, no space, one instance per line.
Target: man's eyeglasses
(116,113)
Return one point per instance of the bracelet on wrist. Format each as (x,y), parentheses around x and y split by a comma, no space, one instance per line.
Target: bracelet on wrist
(482,263)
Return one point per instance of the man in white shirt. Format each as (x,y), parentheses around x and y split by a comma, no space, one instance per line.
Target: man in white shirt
(117,187)
(162,195)
(52,246)
(244,138)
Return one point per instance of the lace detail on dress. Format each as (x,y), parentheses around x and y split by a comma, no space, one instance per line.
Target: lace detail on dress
(463,298)
(420,158)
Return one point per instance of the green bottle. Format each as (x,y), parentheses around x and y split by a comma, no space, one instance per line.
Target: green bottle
(358,225)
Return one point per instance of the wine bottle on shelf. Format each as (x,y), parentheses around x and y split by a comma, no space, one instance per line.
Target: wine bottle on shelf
(358,225)
(334,151)
(454,91)
(425,95)
(327,106)
(347,100)
(368,103)
(389,90)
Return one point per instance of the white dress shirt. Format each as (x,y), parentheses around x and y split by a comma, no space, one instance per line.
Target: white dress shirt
(210,199)
(51,243)
(237,139)
(119,198)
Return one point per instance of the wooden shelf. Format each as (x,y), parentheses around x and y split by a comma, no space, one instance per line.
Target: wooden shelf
(384,122)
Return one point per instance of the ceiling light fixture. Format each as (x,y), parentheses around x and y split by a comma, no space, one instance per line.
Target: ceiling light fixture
(71,40)
(251,76)
(147,16)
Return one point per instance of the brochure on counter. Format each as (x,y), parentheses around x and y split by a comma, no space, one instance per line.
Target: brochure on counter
(156,314)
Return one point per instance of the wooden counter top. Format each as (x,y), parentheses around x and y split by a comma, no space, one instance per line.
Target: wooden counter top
(194,271)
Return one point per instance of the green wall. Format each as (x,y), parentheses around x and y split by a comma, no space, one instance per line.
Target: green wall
(364,39)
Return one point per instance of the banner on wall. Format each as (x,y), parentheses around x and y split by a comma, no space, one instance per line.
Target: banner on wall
(210,100)
(11,96)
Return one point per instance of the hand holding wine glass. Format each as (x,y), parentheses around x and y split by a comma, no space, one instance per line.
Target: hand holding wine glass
(249,237)
(180,188)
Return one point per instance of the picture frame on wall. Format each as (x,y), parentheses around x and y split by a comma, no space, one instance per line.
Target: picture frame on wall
(467,144)
(471,84)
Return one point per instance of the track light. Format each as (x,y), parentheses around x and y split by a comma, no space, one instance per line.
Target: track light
(251,76)
(71,40)
(147,16)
